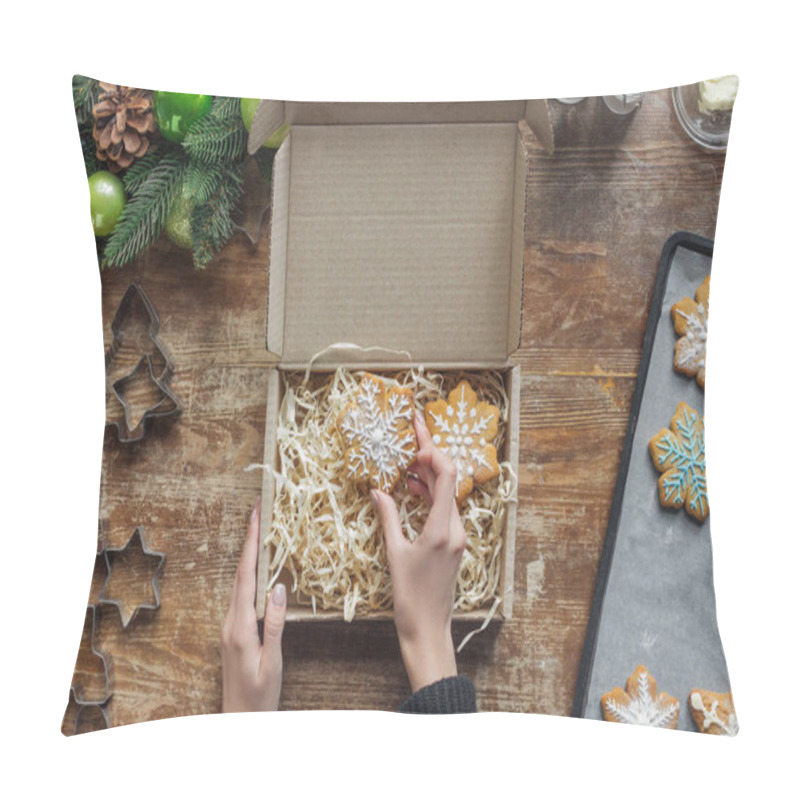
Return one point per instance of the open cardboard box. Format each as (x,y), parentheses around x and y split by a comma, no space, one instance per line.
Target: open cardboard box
(398,228)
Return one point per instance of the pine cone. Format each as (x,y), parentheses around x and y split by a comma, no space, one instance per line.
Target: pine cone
(123,118)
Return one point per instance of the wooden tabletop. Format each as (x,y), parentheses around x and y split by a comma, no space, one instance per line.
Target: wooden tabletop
(600,210)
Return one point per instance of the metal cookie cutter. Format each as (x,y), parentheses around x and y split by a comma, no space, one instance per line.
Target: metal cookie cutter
(150,554)
(165,403)
(87,716)
(135,296)
(153,364)
(257,200)
(90,706)
(84,695)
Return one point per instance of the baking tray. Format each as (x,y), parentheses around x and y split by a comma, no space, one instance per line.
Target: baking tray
(654,599)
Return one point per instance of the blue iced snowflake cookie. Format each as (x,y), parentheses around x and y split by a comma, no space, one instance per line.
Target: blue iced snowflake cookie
(680,454)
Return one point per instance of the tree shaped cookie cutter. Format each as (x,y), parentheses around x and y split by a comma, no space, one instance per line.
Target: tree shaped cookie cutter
(82,695)
(134,295)
(155,364)
(166,404)
(103,599)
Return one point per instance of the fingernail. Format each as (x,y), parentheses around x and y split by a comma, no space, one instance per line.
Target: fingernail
(278,596)
(419,416)
(374,495)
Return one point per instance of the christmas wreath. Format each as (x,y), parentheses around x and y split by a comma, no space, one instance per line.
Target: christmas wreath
(163,162)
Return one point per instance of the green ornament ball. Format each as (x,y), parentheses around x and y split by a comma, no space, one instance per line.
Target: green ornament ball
(176,112)
(178,226)
(248,107)
(106,201)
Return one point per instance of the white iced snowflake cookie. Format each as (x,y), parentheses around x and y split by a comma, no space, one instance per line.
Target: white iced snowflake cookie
(464,429)
(638,703)
(690,318)
(713,713)
(377,431)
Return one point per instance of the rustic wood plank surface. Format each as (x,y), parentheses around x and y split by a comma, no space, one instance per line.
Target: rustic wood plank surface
(601,209)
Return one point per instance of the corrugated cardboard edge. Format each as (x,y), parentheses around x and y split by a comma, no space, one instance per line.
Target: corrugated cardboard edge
(278,247)
(537,115)
(269,116)
(512,455)
(516,285)
(267,488)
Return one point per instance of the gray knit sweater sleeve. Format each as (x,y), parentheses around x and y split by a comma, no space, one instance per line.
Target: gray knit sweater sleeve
(454,695)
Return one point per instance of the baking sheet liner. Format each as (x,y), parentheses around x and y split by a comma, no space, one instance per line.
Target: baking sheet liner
(655,602)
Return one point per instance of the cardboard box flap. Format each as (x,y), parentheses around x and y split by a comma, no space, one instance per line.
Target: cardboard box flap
(406,237)
(271,114)
(537,115)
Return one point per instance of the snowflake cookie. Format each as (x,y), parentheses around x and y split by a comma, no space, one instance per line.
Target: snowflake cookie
(690,318)
(377,432)
(638,703)
(463,428)
(680,454)
(713,713)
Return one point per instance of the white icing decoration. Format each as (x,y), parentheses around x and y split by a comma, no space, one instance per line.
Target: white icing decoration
(710,716)
(690,349)
(643,708)
(375,434)
(461,435)
(693,353)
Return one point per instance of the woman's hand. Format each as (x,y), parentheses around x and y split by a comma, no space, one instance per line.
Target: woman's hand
(424,572)
(252,672)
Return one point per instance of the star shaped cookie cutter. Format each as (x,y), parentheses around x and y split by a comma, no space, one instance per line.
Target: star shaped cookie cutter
(138,533)
(167,404)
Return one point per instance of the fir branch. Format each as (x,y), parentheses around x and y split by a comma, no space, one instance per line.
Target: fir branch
(217,140)
(224,107)
(212,222)
(84,96)
(89,150)
(145,213)
(201,181)
(140,170)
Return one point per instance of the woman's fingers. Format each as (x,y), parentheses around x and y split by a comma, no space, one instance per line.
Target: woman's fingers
(421,429)
(390,521)
(245,583)
(419,488)
(424,443)
(443,493)
(274,620)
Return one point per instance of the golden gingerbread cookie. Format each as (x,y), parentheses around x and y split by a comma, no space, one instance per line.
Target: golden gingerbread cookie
(377,431)
(713,713)
(463,428)
(680,454)
(690,318)
(639,704)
